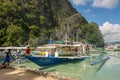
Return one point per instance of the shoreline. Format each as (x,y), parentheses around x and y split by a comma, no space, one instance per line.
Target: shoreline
(19,73)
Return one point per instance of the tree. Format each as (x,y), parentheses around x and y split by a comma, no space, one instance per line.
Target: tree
(14,36)
(34,33)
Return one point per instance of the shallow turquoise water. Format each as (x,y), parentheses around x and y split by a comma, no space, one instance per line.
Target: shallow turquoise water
(82,70)
(110,70)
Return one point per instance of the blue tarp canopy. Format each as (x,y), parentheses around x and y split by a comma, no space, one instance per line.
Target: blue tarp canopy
(59,41)
(50,42)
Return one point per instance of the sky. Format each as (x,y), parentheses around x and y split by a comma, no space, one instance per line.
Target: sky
(106,13)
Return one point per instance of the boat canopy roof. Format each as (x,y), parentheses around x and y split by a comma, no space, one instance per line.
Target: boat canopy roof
(42,47)
(71,45)
(12,47)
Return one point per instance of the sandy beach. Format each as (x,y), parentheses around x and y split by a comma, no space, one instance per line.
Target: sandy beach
(21,74)
(11,73)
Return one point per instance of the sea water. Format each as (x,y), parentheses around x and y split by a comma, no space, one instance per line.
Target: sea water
(82,70)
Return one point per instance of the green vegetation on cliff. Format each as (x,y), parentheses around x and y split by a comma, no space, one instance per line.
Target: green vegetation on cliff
(35,21)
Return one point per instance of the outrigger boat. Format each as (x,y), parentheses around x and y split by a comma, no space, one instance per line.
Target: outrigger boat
(57,53)
(52,54)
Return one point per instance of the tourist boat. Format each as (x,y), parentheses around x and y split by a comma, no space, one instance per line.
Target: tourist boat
(109,48)
(115,47)
(51,54)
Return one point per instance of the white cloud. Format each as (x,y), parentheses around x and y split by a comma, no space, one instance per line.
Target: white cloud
(79,2)
(87,10)
(108,28)
(111,32)
(105,3)
(97,3)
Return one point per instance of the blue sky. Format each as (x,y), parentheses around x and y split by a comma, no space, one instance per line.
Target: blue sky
(106,13)
(99,11)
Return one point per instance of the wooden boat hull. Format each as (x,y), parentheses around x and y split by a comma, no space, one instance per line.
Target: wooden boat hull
(51,60)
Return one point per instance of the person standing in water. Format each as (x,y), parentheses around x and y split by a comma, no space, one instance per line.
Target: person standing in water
(7,59)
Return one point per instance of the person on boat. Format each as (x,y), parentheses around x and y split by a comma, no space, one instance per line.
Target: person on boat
(87,48)
(76,51)
(27,50)
(7,59)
